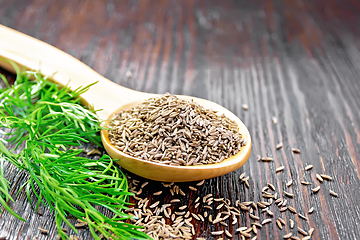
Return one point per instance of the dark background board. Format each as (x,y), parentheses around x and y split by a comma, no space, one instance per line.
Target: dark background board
(298,61)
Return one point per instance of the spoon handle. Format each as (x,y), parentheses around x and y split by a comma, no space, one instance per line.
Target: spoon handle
(33,54)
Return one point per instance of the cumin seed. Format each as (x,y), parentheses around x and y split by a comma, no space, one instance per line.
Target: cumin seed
(272,187)
(200,183)
(287,235)
(302,231)
(279,169)
(289,183)
(265,221)
(292,223)
(266,159)
(311,231)
(295,150)
(333,193)
(290,195)
(327,177)
(315,190)
(274,119)
(43,231)
(311,210)
(319,178)
(308,167)
(217,233)
(192,188)
(291,209)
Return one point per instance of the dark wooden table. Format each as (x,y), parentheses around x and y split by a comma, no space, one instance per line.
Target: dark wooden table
(297,61)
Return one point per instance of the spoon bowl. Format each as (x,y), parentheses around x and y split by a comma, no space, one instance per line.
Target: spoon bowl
(111,98)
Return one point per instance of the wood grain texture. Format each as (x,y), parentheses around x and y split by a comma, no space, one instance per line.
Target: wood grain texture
(297,61)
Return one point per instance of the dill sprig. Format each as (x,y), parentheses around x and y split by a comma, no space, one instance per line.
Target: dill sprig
(47,120)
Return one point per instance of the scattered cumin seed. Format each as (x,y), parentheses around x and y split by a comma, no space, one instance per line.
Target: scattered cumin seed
(279,169)
(183,207)
(43,231)
(269,212)
(287,235)
(291,209)
(154,204)
(295,150)
(278,223)
(283,209)
(308,167)
(266,159)
(254,217)
(295,238)
(195,216)
(254,229)
(94,151)
(265,221)
(291,223)
(305,183)
(311,231)
(245,234)
(241,229)
(311,210)
(282,221)
(242,176)
(144,184)
(316,189)
(182,192)
(228,234)
(279,145)
(302,231)
(333,193)
(327,177)
(192,188)
(319,178)
(157,193)
(290,195)
(302,216)
(256,224)
(306,238)
(200,183)
(175,200)
(274,119)
(289,183)
(272,187)
(81,224)
(217,233)
(219,206)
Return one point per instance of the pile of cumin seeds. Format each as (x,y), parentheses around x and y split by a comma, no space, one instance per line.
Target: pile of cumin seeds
(178,215)
(175,131)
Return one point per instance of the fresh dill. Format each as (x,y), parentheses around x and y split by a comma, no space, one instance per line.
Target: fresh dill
(48,122)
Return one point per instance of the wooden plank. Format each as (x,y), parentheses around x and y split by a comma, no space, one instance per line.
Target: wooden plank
(296,61)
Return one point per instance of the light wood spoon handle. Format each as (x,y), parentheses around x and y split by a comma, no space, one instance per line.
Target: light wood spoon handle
(36,55)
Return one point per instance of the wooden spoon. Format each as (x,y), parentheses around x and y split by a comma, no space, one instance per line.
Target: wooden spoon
(64,69)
